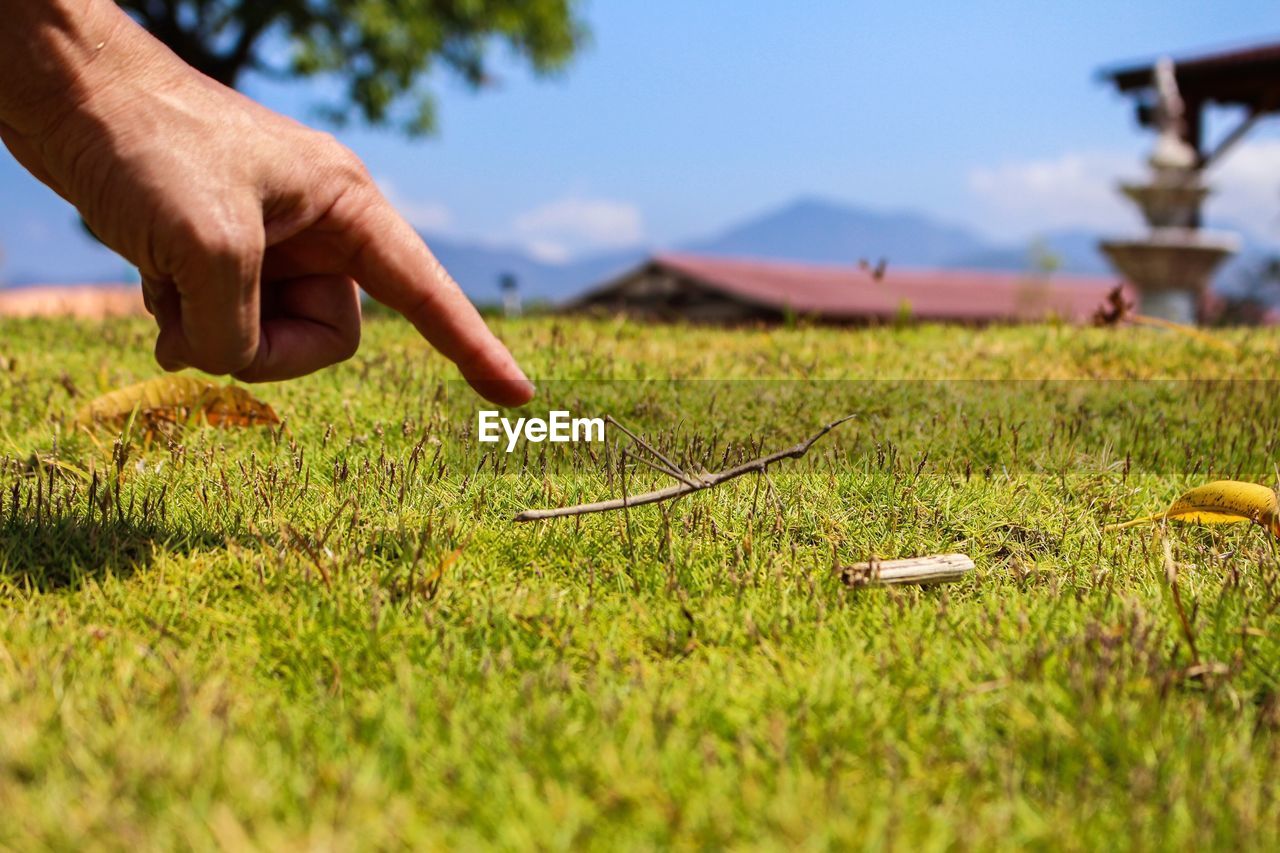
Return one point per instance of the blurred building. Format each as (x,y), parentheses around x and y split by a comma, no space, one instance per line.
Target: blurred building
(1172,264)
(511,302)
(85,301)
(1247,78)
(704,289)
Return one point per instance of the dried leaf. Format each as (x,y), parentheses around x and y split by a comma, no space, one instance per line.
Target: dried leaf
(1221,502)
(1115,309)
(177,400)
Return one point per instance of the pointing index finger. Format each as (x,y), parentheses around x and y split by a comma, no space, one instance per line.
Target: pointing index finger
(395,266)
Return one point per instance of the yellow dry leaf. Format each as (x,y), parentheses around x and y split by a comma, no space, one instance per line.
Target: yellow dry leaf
(176,400)
(1221,502)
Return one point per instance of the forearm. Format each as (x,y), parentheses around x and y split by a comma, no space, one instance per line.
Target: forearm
(215,198)
(50,54)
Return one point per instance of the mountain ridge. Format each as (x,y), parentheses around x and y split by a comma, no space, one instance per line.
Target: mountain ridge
(812,229)
(807,229)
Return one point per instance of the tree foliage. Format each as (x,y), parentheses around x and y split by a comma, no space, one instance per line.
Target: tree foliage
(383,51)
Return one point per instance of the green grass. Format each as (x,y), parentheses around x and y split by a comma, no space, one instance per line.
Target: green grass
(248,635)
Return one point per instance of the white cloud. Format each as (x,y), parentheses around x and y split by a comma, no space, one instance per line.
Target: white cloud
(422,215)
(1247,184)
(573,225)
(548,251)
(1074,190)
(1078,190)
(425,216)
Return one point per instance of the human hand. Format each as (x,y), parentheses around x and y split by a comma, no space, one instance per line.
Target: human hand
(250,230)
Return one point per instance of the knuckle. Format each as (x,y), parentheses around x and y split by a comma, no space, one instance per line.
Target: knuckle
(225,239)
(184,231)
(344,163)
(228,238)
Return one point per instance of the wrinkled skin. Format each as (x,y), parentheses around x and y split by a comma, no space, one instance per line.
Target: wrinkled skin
(251,231)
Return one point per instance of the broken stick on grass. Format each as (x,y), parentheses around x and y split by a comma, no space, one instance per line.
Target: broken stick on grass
(936,568)
(688,483)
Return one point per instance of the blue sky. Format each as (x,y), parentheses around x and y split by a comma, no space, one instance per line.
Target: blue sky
(682,117)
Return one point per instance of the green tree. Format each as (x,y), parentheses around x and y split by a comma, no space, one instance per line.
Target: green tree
(382,50)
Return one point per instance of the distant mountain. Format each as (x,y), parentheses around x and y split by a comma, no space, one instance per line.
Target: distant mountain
(819,231)
(807,230)
(812,231)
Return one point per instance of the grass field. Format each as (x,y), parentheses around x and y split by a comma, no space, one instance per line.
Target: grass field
(332,635)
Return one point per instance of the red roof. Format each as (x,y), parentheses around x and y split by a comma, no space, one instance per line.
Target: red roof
(851,293)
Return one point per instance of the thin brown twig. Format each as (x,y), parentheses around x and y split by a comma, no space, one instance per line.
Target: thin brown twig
(680,475)
(671,492)
(661,469)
